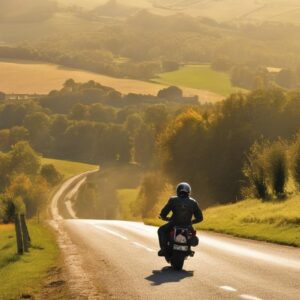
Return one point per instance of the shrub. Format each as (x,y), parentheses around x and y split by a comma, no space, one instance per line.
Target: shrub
(295,160)
(50,174)
(255,172)
(278,168)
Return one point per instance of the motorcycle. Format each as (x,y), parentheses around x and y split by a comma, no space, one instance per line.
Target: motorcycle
(181,239)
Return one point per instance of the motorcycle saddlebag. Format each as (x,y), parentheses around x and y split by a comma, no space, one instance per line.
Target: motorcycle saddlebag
(194,241)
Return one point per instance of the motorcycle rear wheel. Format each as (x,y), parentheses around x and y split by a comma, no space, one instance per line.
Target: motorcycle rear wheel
(177,260)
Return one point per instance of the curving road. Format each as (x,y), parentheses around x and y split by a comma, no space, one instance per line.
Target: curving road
(120,261)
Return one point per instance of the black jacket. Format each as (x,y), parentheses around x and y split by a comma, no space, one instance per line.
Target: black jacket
(183,209)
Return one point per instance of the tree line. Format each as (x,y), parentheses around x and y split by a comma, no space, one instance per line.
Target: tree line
(242,147)
(214,147)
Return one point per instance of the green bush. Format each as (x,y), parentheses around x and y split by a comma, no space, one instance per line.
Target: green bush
(50,174)
(255,172)
(295,160)
(278,168)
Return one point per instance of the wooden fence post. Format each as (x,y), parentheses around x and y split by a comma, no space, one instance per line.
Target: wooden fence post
(18,235)
(25,233)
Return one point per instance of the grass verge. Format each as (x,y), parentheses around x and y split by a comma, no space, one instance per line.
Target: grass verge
(23,275)
(69,168)
(276,222)
(199,77)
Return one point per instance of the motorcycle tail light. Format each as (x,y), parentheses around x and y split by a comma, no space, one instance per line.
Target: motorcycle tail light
(192,232)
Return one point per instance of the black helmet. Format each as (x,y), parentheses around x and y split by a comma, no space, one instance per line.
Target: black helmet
(183,188)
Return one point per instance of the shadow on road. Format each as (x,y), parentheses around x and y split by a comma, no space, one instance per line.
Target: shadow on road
(167,274)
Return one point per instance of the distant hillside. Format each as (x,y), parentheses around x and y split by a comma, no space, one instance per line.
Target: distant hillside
(26,10)
(114,8)
(287,11)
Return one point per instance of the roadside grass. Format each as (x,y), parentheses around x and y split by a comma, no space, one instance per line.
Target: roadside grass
(199,77)
(276,222)
(24,274)
(69,168)
(126,197)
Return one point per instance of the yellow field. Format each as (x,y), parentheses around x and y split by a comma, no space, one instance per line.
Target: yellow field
(30,77)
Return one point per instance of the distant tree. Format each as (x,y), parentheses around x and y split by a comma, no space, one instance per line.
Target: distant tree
(2,96)
(79,141)
(295,160)
(17,134)
(4,139)
(38,125)
(169,66)
(255,171)
(50,174)
(156,115)
(278,168)
(8,209)
(4,171)
(170,93)
(14,113)
(69,84)
(221,64)
(101,113)
(79,112)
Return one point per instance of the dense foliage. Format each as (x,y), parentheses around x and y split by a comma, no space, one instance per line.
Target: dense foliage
(206,145)
(24,185)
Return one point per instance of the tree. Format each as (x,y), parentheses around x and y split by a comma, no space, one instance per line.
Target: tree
(79,112)
(169,66)
(156,115)
(38,125)
(2,96)
(100,113)
(50,174)
(221,64)
(4,170)
(4,139)
(70,84)
(17,134)
(278,168)
(255,171)
(295,160)
(23,159)
(171,92)
(79,141)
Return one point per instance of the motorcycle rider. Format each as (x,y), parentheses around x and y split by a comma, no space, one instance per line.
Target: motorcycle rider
(183,209)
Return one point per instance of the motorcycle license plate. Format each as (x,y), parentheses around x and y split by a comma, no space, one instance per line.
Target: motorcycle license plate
(180,247)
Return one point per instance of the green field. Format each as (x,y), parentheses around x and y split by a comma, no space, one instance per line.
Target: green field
(24,274)
(69,168)
(199,77)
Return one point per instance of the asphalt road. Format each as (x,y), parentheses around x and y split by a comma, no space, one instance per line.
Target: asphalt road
(120,260)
